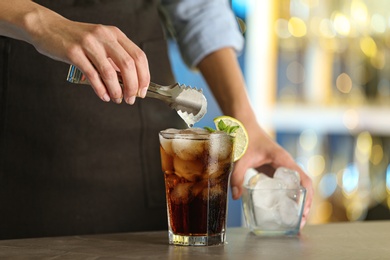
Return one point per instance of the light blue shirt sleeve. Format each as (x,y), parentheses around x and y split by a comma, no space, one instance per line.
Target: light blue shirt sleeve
(202,27)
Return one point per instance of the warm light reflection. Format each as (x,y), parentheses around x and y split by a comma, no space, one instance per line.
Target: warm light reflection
(356,211)
(368,46)
(341,24)
(310,3)
(379,61)
(359,11)
(316,165)
(322,212)
(378,192)
(351,119)
(378,23)
(344,83)
(363,146)
(376,154)
(297,27)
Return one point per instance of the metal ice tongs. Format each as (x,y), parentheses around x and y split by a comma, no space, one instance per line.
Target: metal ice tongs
(190,103)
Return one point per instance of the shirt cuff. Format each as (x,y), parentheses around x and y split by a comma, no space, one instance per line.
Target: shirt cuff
(203,28)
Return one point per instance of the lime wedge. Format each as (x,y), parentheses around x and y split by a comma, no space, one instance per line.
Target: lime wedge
(240,134)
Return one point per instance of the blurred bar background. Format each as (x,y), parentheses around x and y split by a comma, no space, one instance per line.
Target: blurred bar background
(318,73)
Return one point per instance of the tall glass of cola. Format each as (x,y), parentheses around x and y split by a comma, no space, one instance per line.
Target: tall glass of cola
(197,165)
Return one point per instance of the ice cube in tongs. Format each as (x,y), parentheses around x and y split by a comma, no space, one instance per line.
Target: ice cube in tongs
(190,103)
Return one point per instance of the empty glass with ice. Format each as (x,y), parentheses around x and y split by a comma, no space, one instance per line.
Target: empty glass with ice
(196,165)
(273,206)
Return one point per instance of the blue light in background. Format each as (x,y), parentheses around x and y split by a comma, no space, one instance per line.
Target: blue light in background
(328,185)
(350,178)
(240,8)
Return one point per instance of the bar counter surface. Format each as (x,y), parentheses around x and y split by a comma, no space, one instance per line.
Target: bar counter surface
(346,240)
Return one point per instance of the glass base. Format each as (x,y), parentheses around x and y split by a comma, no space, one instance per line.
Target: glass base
(289,232)
(212,240)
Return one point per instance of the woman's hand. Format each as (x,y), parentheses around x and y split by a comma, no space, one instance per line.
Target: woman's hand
(99,51)
(265,154)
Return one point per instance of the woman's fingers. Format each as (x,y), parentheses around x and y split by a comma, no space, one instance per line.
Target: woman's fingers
(108,76)
(85,65)
(140,62)
(133,65)
(105,51)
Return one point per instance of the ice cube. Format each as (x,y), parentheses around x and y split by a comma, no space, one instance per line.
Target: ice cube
(262,181)
(266,190)
(266,198)
(213,192)
(205,189)
(217,190)
(267,218)
(216,169)
(166,145)
(195,131)
(199,187)
(272,198)
(171,180)
(289,211)
(181,193)
(290,178)
(166,161)
(188,149)
(221,145)
(190,170)
(213,169)
(254,180)
(248,176)
(172,131)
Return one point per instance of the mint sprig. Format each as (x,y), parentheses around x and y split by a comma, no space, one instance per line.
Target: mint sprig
(223,127)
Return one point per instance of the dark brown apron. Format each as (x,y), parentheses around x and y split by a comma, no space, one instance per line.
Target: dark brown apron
(70,163)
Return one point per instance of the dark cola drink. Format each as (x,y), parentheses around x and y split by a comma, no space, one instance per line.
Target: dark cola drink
(197,166)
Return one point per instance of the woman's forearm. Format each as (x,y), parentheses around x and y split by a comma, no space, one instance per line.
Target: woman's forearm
(19,19)
(223,74)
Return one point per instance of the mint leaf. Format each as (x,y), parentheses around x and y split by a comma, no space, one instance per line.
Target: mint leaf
(232,129)
(209,129)
(222,126)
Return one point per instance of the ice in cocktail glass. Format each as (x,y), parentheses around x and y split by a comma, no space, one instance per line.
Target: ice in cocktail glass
(197,165)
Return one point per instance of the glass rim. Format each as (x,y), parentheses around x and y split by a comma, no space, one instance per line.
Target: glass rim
(301,188)
(194,136)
